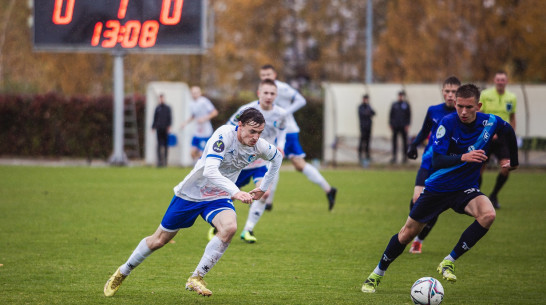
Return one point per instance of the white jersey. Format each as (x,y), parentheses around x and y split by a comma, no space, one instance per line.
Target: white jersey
(202,107)
(214,175)
(290,100)
(275,126)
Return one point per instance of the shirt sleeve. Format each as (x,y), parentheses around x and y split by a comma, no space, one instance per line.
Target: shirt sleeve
(270,153)
(298,101)
(505,130)
(425,130)
(442,137)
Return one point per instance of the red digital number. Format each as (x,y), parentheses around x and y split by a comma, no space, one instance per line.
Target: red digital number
(111,34)
(122,8)
(96,34)
(58,17)
(132,30)
(165,17)
(149,34)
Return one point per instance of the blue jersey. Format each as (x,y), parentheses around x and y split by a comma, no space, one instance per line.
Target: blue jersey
(453,137)
(430,125)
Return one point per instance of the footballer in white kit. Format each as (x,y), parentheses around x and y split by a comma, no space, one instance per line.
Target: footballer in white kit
(208,191)
(202,111)
(291,101)
(274,133)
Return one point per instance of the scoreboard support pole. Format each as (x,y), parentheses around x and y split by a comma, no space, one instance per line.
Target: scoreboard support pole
(118,157)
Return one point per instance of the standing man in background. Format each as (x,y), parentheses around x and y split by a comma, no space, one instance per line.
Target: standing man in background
(365,114)
(291,100)
(500,102)
(162,125)
(399,121)
(202,111)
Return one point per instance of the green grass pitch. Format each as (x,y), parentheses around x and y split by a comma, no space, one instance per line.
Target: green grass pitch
(64,231)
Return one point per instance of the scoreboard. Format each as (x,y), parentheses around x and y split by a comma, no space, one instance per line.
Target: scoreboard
(154,26)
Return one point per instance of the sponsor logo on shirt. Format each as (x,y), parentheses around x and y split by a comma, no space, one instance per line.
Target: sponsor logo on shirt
(485,135)
(487,123)
(440,132)
(218,146)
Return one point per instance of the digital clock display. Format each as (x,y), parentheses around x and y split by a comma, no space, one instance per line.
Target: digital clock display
(160,26)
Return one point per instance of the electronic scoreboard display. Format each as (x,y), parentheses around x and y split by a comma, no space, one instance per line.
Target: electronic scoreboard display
(155,26)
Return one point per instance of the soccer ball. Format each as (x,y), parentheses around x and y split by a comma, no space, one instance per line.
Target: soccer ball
(427,291)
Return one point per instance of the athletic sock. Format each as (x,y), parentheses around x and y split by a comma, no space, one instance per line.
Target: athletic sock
(255,212)
(428,227)
(393,250)
(314,176)
(468,239)
(501,180)
(213,252)
(139,255)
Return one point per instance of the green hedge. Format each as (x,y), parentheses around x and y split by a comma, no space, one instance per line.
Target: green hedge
(51,125)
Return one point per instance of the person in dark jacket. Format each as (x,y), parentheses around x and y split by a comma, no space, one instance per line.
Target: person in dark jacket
(365,114)
(399,121)
(162,125)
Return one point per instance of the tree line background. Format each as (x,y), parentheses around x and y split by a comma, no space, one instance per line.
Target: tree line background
(60,104)
(309,41)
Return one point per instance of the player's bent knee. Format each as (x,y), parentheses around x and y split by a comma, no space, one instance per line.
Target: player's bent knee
(487,218)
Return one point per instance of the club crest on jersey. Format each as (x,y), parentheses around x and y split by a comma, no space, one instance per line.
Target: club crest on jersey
(218,146)
(252,158)
(509,107)
(440,132)
(471,148)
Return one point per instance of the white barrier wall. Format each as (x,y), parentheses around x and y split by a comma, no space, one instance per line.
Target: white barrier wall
(341,126)
(178,97)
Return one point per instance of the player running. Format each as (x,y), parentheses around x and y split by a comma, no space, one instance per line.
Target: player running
(274,133)
(291,100)
(459,148)
(430,124)
(208,190)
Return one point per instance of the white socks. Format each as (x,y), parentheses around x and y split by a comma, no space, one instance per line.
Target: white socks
(314,176)
(141,252)
(256,211)
(213,252)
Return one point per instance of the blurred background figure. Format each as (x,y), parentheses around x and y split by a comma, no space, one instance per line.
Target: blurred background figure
(399,121)
(365,114)
(499,101)
(202,111)
(162,125)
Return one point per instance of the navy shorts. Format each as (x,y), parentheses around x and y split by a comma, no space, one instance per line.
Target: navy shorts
(432,204)
(422,175)
(292,148)
(182,213)
(255,173)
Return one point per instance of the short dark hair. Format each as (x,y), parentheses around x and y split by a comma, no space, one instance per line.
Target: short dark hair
(468,91)
(402,92)
(452,80)
(251,115)
(267,67)
(501,72)
(365,96)
(268,81)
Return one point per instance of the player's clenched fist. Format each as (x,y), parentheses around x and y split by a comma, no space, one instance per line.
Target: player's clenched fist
(474,156)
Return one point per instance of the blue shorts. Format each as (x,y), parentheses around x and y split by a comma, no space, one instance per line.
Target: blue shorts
(199,143)
(255,173)
(292,148)
(182,213)
(432,204)
(422,175)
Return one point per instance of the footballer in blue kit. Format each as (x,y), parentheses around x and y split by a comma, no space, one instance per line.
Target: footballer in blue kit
(460,144)
(430,124)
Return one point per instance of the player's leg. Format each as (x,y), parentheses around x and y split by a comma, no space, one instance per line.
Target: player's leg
(226,222)
(296,154)
(417,190)
(256,209)
(395,247)
(482,210)
(502,177)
